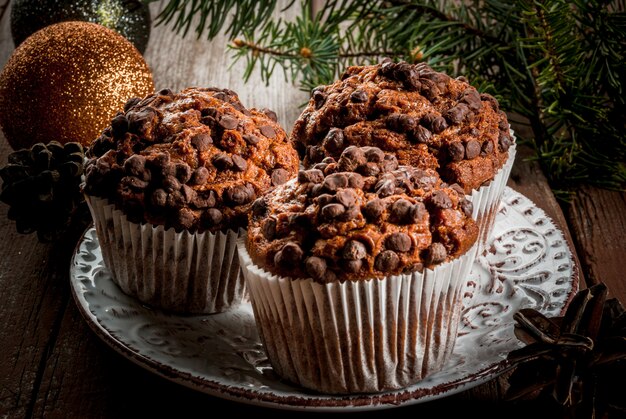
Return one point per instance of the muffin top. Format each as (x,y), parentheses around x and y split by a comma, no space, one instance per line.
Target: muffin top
(426,118)
(194,160)
(358,217)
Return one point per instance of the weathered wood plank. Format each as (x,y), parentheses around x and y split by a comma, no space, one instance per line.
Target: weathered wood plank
(598,221)
(34,293)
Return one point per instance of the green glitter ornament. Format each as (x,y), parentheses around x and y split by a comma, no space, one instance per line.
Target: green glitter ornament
(130,18)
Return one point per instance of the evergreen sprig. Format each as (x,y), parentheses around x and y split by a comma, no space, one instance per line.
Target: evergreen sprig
(560,65)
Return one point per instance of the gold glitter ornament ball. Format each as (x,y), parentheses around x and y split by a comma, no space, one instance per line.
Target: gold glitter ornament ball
(65,83)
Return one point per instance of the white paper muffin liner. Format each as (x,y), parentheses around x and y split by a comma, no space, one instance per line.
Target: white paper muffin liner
(486,199)
(183,272)
(358,336)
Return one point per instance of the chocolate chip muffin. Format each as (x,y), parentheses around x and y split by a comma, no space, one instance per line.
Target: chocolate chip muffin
(356,271)
(170,183)
(193,160)
(426,118)
(360,217)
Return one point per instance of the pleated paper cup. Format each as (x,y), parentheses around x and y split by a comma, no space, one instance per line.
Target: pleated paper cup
(486,199)
(193,273)
(358,336)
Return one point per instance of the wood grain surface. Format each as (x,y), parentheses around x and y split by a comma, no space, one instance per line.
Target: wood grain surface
(52,365)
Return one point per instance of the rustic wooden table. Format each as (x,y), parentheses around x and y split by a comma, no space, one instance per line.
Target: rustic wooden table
(53,365)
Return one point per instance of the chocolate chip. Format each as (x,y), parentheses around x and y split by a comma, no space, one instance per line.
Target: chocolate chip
(440,199)
(268,228)
(141,121)
(212,216)
(311,175)
(332,211)
(134,183)
(279,176)
(135,165)
(416,213)
(487,148)
(251,139)
(314,154)
(457,113)
(130,103)
(374,209)
(486,97)
(351,158)
(422,135)
(171,184)
(239,194)
(353,250)
(199,176)
(268,131)
(472,98)
(358,96)
(472,149)
(333,142)
(400,210)
(390,163)
(259,207)
(503,123)
(335,181)
(456,151)
(300,219)
(319,97)
(316,190)
(239,163)
(438,124)
(467,207)
(430,89)
(166,92)
(315,266)
(201,141)
(188,194)
(355,181)
(504,141)
(350,213)
(222,161)
(204,199)
(289,256)
(159,198)
(401,122)
(387,261)
(374,154)
(324,199)
(270,114)
(212,112)
(185,218)
(352,266)
(399,242)
(228,122)
(385,187)
(119,125)
(346,197)
(436,253)
(458,189)
(403,72)
(369,169)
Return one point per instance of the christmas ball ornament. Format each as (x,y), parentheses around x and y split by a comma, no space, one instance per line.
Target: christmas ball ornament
(66,82)
(130,18)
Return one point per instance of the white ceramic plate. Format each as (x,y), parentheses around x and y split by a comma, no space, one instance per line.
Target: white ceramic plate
(527,264)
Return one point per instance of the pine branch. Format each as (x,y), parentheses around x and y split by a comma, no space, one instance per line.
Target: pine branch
(561,64)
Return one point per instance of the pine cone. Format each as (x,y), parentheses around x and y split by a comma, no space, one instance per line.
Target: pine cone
(42,187)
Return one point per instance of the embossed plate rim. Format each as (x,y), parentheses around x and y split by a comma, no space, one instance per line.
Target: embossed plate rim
(423,391)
